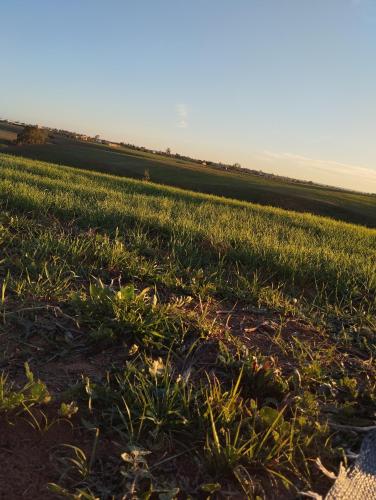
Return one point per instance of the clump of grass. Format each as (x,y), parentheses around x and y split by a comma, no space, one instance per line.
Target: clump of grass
(135,316)
(259,377)
(151,406)
(14,400)
(155,402)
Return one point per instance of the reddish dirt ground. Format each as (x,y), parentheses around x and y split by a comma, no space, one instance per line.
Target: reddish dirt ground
(25,457)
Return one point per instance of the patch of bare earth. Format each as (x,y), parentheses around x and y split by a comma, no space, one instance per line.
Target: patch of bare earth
(26,457)
(271,334)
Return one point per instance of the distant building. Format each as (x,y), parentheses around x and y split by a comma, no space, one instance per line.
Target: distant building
(81,137)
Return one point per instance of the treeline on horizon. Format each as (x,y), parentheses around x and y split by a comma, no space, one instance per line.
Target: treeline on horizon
(236,167)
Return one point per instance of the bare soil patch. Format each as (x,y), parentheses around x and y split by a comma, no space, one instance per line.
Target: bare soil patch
(26,457)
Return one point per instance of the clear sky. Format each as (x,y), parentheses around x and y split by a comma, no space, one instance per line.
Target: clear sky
(286,86)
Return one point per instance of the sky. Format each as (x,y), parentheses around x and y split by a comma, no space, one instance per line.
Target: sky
(283,86)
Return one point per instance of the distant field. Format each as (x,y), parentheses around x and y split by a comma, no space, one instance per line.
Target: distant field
(8,133)
(182,344)
(350,207)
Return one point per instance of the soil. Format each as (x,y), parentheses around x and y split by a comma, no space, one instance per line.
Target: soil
(26,457)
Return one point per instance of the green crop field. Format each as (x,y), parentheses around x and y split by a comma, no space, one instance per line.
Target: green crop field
(348,206)
(167,344)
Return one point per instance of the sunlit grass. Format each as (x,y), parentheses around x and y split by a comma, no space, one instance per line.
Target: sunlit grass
(91,263)
(327,261)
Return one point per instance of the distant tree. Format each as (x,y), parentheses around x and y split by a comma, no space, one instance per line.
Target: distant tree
(237,165)
(32,135)
(168,151)
(146,177)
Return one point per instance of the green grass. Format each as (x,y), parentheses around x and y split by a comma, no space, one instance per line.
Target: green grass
(219,342)
(347,206)
(33,393)
(235,249)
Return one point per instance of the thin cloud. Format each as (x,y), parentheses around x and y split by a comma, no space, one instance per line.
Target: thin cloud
(182,112)
(346,173)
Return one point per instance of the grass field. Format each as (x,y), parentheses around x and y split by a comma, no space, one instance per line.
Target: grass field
(177,345)
(347,206)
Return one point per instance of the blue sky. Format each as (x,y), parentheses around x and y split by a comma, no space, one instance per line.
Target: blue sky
(286,86)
